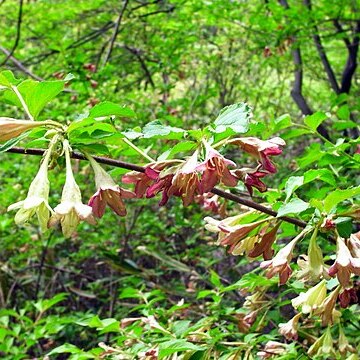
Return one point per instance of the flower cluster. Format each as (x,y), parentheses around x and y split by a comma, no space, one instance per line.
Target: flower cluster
(71,209)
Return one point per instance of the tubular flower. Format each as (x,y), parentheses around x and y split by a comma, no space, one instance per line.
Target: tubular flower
(327,309)
(108,193)
(263,247)
(290,329)
(210,202)
(353,244)
(71,210)
(280,263)
(231,233)
(11,128)
(185,182)
(344,345)
(162,184)
(347,297)
(251,179)
(215,169)
(311,299)
(272,348)
(261,149)
(323,345)
(344,264)
(312,265)
(37,198)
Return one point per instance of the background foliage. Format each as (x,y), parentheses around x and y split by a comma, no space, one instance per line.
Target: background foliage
(180,62)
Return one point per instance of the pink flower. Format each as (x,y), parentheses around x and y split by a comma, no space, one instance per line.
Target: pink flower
(108,193)
(185,182)
(251,178)
(215,169)
(210,202)
(344,264)
(261,149)
(280,263)
(290,329)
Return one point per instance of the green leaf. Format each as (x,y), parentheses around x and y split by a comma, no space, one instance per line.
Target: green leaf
(324,175)
(158,130)
(314,120)
(292,184)
(182,146)
(338,196)
(35,94)
(12,142)
(7,79)
(173,346)
(236,117)
(108,108)
(294,206)
(65,348)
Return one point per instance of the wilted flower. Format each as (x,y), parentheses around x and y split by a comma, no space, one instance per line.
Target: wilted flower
(272,348)
(280,263)
(323,345)
(144,180)
(37,198)
(264,246)
(261,149)
(230,231)
(353,244)
(327,309)
(347,297)
(215,169)
(162,184)
(11,128)
(211,202)
(71,209)
(290,329)
(108,193)
(185,182)
(344,264)
(251,178)
(311,299)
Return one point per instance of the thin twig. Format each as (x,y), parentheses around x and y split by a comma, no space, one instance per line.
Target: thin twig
(129,166)
(116,31)
(18,33)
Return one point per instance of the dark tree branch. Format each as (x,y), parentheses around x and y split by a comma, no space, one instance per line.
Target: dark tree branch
(116,31)
(129,166)
(296,92)
(324,59)
(18,33)
(137,53)
(351,62)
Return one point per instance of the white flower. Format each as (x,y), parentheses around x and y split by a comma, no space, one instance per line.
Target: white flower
(71,210)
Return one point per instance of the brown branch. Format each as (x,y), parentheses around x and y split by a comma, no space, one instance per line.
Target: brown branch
(116,31)
(18,33)
(19,65)
(129,166)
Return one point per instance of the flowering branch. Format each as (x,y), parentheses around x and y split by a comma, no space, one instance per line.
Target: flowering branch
(134,167)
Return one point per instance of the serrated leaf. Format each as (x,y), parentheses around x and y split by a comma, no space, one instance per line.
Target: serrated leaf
(338,196)
(236,117)
(108,108)
(158,130)
(314,120)
(292,184)
(294,206)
